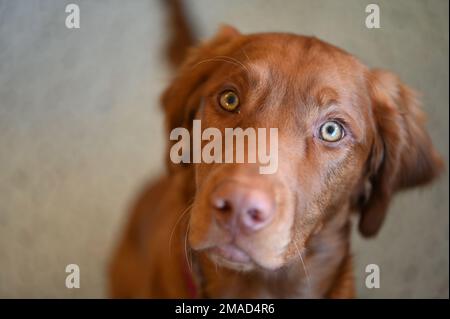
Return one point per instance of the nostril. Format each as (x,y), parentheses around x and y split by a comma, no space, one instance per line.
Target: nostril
(222,205)
(255,215)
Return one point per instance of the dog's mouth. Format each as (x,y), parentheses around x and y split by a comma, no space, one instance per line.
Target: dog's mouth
(231,256)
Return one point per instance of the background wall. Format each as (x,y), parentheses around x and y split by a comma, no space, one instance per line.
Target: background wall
(81,130)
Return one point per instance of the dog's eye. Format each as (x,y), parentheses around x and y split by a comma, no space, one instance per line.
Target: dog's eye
(331,131)
(229,101)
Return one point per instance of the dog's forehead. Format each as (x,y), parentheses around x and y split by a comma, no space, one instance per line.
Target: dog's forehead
(289,51)
(301,61)
(305,73)
(315,81)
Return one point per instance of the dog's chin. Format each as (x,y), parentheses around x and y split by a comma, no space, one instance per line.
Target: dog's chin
(231,257)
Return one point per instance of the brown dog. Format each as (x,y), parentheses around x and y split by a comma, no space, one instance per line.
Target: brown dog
(349,138)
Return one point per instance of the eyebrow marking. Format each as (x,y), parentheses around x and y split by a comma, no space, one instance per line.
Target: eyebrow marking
(261,74)
(268,85)
(326,96)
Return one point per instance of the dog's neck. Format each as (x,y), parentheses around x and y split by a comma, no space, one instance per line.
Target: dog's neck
(326,270)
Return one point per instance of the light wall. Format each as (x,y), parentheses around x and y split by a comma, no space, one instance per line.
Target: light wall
(81,129)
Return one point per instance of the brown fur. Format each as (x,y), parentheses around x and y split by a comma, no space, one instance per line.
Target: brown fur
(293,83)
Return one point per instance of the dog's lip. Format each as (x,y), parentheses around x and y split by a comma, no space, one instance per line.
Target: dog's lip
(231,253)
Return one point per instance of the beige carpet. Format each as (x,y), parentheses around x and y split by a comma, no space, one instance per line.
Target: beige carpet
(81,131)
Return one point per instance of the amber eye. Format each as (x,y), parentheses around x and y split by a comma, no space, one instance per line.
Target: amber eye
(331,131)
(229,101)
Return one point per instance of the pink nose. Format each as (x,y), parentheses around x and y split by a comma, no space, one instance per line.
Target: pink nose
(241,207)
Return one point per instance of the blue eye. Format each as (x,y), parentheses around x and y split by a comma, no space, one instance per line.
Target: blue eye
(331,131)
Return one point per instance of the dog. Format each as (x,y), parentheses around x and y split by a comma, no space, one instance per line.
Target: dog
(349,138)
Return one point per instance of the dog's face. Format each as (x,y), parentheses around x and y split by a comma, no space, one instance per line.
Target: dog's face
(316,97)
(343,134)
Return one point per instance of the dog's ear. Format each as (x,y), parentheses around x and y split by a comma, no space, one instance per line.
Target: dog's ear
(402,155)
(182,98)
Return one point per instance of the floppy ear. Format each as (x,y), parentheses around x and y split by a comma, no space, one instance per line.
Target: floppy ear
(402,155)
(182,98)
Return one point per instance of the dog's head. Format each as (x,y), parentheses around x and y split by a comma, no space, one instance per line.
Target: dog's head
(348,138)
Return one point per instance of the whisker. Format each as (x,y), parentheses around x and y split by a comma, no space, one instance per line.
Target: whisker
(185,250)
(189,247)
(303,264)
(234,60)
(222,59)
(215,60)
(245,53)
(185,211)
